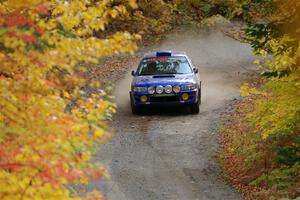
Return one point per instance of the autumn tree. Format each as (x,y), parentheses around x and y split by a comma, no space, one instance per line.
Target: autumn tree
(265,138)
(48,123)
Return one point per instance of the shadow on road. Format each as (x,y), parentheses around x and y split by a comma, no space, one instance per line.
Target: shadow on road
(165,111)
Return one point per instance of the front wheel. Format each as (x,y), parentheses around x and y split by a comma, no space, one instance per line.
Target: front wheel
(199,95)
(134,109)
(195,108)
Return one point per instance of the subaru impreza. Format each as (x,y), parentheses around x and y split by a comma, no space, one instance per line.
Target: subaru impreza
(165,78)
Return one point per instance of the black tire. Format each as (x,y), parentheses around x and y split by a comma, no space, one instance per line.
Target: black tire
(134,109)
(195,108)
(199,96)
(199,93)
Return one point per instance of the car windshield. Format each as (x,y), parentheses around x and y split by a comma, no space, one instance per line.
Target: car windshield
(164,65)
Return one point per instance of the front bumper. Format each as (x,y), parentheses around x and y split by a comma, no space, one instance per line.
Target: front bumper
(164,99)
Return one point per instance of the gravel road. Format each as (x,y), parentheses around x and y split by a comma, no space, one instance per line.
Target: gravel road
(167,153)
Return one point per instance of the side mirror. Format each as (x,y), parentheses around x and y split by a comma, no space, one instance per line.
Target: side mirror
(133,73)
(195,70)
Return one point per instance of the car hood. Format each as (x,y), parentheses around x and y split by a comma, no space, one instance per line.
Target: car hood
(164,79)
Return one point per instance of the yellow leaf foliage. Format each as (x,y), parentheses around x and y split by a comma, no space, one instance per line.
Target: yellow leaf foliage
(46,123)
(277,113)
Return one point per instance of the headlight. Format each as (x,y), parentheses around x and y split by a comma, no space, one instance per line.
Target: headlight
(151,90)
(176,88)
(159,89)
(168,89)
(189,87)
(140,89)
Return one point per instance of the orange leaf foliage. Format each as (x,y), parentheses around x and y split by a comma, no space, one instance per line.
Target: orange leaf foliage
(46,123)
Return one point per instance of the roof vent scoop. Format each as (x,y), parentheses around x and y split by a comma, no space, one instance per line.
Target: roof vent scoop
(164,76)
(163,53)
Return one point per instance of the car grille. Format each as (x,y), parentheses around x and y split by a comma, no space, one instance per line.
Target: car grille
(165,99)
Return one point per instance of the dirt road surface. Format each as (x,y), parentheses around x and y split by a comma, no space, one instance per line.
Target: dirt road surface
(168,154)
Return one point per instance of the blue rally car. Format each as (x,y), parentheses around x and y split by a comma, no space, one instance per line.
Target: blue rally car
(165,78)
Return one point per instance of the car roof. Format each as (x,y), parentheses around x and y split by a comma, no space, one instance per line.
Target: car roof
(155,54)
